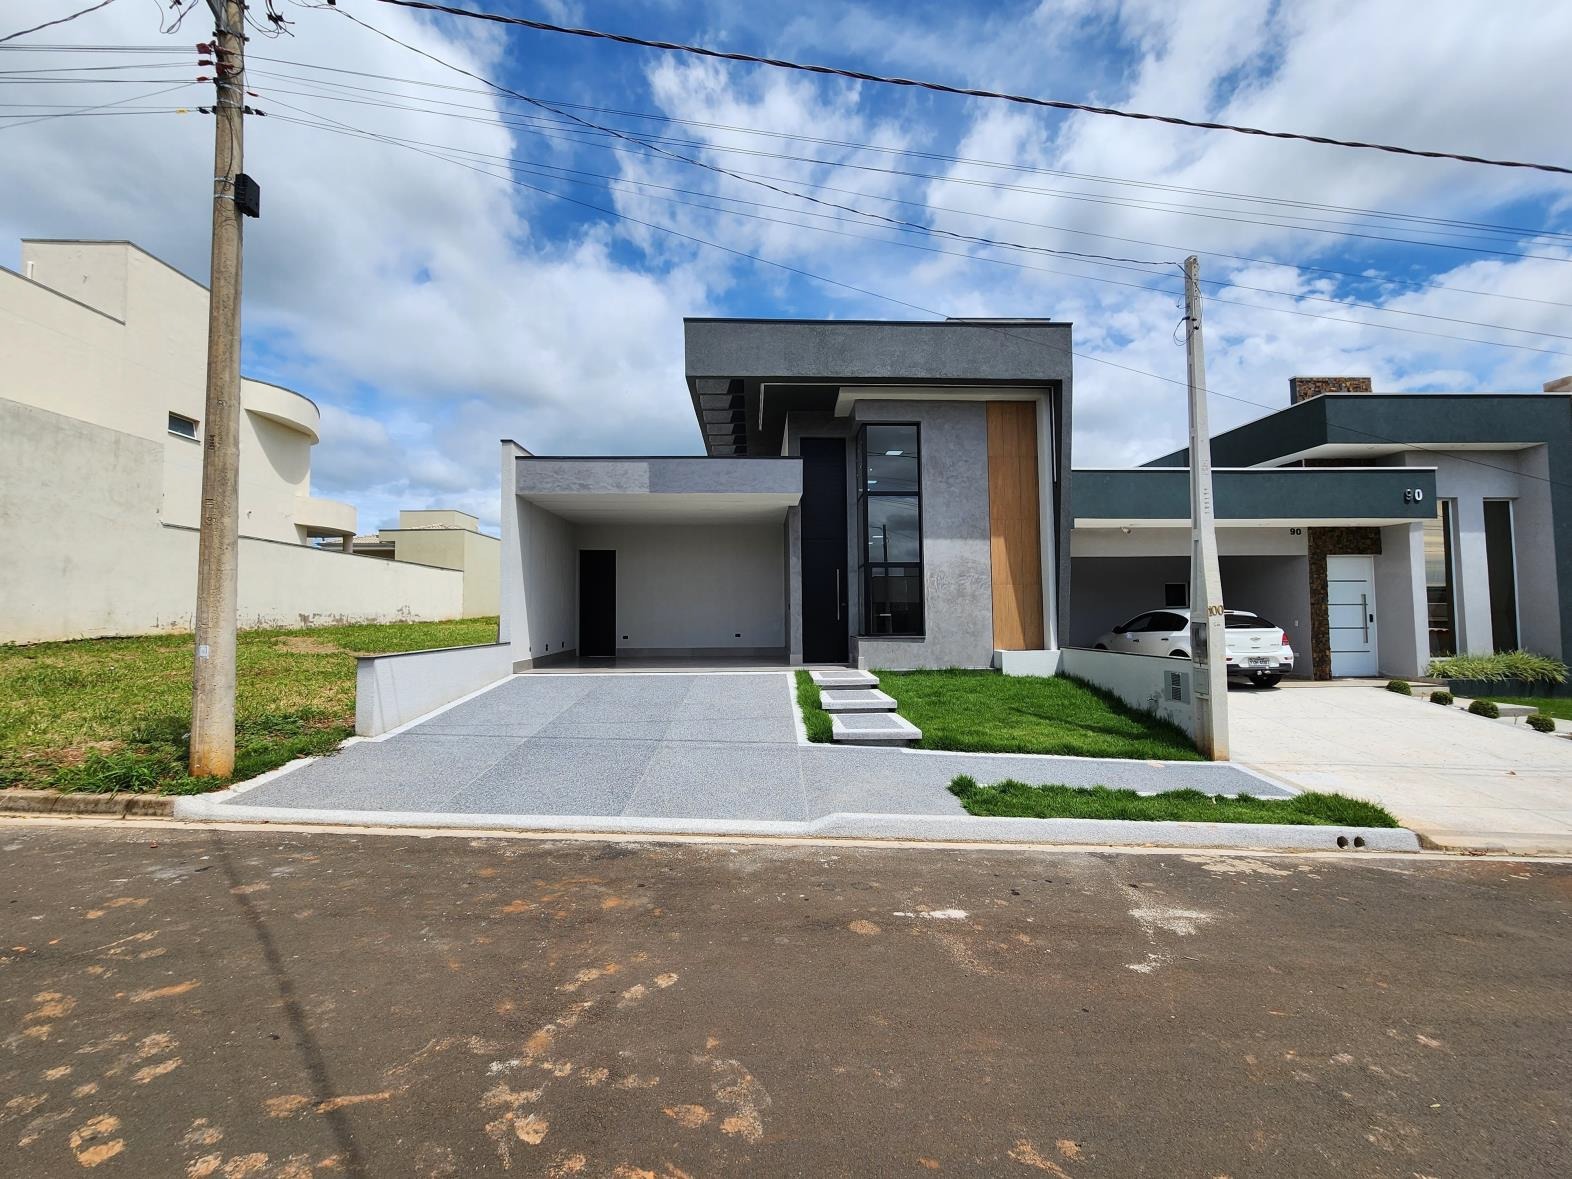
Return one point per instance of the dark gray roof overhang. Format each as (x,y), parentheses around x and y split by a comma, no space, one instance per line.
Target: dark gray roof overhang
(1310,496)
(1370,424)
(746,375)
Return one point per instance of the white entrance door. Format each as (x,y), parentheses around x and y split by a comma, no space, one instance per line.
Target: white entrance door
(1351,615)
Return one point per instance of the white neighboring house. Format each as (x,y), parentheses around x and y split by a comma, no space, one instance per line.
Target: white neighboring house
(102,376)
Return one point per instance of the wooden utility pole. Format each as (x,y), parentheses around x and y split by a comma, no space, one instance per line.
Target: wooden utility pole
(1208,640)
(213,683)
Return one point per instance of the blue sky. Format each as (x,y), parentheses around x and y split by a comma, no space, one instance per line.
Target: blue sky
(431,305)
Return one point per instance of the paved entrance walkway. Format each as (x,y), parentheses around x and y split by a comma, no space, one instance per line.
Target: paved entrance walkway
(1461,780)
(681,746)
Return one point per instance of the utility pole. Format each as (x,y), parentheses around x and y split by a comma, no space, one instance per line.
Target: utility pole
(1208,641)
(213,681)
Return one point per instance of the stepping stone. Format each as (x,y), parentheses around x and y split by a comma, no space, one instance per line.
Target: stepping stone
(855,700)
(873,728)
(844,677)
(1515,710)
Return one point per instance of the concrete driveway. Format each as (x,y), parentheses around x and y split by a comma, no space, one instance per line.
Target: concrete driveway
(685,748)
(1462,781)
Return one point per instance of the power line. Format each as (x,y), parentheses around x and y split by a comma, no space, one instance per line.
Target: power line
(903,224)
(897,221)
(1364,277)
(943,88)
(827,281)
(1512,230)
(650,143)
(550,171)
(1418,219)
(104,107)
(57,21)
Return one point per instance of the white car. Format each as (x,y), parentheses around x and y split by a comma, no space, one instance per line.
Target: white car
(1256,648)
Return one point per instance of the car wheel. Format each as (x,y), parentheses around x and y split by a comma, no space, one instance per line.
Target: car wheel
(1265,681)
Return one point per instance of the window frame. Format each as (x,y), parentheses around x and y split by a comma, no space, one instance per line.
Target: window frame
(866,567)
(196,426)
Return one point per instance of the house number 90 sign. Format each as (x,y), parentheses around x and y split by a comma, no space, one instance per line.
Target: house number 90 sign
(1413,495)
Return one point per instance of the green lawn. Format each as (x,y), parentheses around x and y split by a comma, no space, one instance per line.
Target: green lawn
(113,714)
(1012,799)
(986,712)
(1559,707)
(814,718)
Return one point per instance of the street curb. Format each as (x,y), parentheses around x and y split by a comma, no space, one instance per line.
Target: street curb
(119,806)
(951,828)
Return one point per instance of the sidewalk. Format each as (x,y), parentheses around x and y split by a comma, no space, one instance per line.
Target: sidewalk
(1460,781)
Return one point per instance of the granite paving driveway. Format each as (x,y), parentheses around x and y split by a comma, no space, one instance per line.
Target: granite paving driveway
(710,746)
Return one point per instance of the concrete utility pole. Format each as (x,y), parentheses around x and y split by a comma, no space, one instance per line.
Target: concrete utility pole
(1208,642)
(213,683)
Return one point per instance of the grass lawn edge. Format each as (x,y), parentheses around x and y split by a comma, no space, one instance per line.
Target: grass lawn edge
(815,721)
(1014,799)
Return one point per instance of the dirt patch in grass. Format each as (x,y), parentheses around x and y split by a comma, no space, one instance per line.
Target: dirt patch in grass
(1013,799)
(105,715)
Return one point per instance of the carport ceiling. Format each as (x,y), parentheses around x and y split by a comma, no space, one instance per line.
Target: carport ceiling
(666,508)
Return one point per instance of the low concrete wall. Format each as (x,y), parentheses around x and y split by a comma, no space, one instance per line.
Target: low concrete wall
(1142,681)
(391,690)
(89,554)
(1029,662)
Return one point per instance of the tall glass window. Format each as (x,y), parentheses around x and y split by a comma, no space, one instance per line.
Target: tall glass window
(889,500)
(1440,593)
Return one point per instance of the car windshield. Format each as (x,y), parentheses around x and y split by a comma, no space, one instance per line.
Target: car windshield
(1246,622)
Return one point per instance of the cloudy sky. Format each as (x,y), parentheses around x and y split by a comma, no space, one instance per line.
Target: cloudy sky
(440,266)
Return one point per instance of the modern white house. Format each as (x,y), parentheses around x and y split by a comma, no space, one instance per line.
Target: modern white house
(900,495)
(102,378)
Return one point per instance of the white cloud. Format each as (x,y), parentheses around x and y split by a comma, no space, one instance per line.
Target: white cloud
(431,309)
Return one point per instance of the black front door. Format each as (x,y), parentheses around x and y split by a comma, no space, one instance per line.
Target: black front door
(597,603)
(824,621)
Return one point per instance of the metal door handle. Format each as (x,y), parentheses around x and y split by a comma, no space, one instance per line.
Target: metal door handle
(837,595)
(1364,610)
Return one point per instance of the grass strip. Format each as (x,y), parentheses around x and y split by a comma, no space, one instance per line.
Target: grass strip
(103,715)
(988,712)
(814,718)
(1012,799)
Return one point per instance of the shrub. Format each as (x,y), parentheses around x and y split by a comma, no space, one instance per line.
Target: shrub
(1541,723)
(1485,708)
(1400,687)
(1441,697)
(1503,665)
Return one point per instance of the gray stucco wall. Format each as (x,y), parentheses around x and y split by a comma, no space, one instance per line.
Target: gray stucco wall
(627,476)
(957,576)
(1470,478)
(1403,616)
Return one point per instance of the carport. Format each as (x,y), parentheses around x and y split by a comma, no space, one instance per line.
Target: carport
(655,561)
(1279,533)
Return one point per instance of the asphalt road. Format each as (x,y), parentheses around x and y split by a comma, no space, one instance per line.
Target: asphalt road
(195,1002)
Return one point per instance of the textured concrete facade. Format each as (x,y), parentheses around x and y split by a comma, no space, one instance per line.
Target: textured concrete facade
(957,574)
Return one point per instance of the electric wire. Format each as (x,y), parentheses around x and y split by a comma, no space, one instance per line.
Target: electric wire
(902,223)
(965,91)
(48,24)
